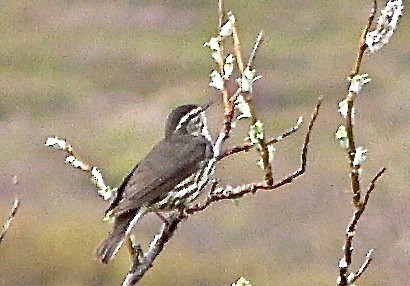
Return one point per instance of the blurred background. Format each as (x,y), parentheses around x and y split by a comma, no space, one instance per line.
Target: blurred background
(105,74)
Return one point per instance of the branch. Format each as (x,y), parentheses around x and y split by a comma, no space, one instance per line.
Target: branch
(245,83)
(142,264)
(229,192)
(104,191)
(352,94)
(366,263)
(344,277)
(248,146)
(372,186)
(362,42)
(7,224)
(221,13)
(369,41)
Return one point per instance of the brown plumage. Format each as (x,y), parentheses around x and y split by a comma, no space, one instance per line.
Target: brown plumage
(151,185)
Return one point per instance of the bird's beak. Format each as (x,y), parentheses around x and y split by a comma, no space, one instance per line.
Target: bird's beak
(206,105)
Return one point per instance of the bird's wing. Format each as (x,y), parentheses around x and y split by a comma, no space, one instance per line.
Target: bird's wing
(164,167)
(120,191)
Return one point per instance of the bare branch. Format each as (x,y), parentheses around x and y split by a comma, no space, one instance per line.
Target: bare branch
(264,152)
(225,95)
(221,13)
(345,262)
(229,192)
(362,42)
(354,168)
(372,186)
(255,50)
(236,43)
(248,146)
(366,263)
(72,159)
(142,264)
(228,118)
(7,224)
(357,155)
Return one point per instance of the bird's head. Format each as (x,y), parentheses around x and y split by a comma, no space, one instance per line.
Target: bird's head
(188,119)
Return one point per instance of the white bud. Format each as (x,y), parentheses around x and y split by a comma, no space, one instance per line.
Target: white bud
(228,66)
(359,156)
(357,82)
(247,80)
(57,143)
(256,132)
(242,107)
(386,25)
(341,135)
(242,282)
(216,80)
(226,29)
(213,44)
(343,108)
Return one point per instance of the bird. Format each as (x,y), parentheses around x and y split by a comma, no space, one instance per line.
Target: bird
(170,176)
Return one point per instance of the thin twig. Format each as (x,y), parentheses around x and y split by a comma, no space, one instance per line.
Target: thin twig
(366,263)
(372,186)
(221,13)
(350,233)
(236,43)
(225,95)
(248,146)
(72,159)
(7,224)
(236,192)
(362,42)
(354,173)
(354,168)
(264,153)
(255,50)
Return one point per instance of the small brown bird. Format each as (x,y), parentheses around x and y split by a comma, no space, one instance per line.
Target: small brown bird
(170,176)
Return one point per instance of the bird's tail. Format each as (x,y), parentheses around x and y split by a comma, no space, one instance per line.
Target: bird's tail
(122,227)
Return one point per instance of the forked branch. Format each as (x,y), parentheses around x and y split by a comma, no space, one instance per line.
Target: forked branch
(370,41)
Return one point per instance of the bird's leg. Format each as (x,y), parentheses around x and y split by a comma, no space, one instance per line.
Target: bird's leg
(164,220)
(139,253)
(134,249)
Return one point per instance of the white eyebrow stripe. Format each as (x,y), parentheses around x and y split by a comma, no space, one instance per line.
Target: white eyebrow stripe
(187,116)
